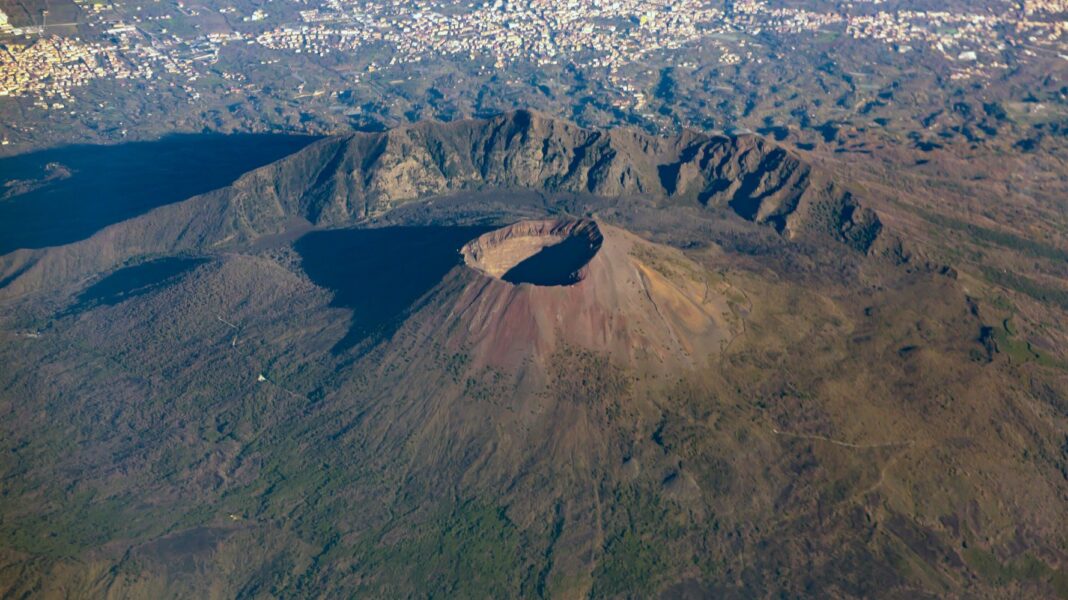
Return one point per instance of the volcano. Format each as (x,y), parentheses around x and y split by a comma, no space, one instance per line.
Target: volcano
(514,357)
(530,287)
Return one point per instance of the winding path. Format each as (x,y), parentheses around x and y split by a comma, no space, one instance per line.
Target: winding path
(820,438)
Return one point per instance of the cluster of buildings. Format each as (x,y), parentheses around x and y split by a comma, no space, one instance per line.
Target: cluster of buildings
(608,32)
(603,34)
(974,41)
(54,66)
(51,67)
(611,33)
(1049,7)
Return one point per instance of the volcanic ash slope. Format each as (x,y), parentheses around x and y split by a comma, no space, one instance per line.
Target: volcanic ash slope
(535,288)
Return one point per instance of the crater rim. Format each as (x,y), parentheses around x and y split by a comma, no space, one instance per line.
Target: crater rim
(540,252)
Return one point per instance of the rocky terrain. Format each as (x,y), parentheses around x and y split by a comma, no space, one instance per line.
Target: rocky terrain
(515,357)
(543,252)
(348,179)
(645,306)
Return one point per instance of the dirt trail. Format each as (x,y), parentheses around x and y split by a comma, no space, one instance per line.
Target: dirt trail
(821,438)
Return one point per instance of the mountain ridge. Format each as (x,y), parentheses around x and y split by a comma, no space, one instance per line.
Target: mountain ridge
(369,173)
(312,381)
(345,180)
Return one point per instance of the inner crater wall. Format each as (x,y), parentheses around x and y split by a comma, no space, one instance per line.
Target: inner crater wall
(541,252)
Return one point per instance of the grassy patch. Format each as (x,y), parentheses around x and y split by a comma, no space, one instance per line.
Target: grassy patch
(1025,568)
(87,521)
(630,564)
(638,545)
(1027,286)
(992,236)
(471,551)
(1018,351)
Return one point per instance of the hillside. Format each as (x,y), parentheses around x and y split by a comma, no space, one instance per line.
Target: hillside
(518,358)
(344,180)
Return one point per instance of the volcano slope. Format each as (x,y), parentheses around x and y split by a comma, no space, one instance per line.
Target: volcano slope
(514,357)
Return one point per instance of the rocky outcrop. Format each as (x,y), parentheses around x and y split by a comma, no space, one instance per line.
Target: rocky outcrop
(364,174)
(340,180)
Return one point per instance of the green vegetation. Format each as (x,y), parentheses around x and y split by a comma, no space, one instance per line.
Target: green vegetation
(1001,238)
(586,377)
(1019,351)
(85,521)
(630,565)
(1025,568)
(455,365)
(1027,286)
(471,550)
(641,531)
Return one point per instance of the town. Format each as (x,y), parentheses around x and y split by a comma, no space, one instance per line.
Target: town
(599,34)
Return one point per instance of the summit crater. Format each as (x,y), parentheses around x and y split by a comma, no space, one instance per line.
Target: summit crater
(546,252)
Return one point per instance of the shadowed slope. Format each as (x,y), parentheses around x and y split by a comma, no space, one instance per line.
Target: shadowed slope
(379,273)
(60,196)
(135,280)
